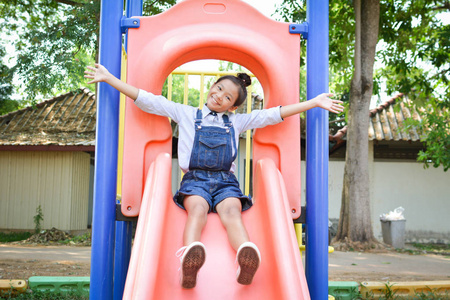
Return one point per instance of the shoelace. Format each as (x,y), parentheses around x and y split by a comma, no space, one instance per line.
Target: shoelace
(180,252)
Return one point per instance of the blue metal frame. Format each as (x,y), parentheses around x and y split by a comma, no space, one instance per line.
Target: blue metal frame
(126,23)
(103,227)
(124,229)
(122,254)
(134,8)
(300,29)
(317,152)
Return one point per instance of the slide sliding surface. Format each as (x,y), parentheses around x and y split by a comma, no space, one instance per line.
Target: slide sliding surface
(154,269)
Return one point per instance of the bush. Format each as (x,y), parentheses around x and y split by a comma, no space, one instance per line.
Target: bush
(14,236)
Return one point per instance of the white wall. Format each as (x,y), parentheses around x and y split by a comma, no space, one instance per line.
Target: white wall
(423,193)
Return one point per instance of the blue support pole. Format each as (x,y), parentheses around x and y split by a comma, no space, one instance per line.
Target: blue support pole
(134,8)
(124,229)
(122,254)
(103,227)
(317,152)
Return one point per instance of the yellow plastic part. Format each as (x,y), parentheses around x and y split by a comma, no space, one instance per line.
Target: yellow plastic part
(248,144)
(298,233)
(123,76)
(301,247)
(375,289)
(12,286)
(330,297)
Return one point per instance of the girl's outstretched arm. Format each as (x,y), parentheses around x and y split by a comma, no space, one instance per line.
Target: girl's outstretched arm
(100,74)
(322,101)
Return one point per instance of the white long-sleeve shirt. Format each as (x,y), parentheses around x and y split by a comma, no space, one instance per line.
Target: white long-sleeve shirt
(185,116)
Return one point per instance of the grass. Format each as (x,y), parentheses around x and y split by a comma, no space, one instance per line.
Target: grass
(41,295)
(14,236)
(417,249)
(433,248)
(418,296)
(390,293)
(84,239)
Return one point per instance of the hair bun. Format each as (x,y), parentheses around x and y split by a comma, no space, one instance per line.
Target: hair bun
(246,80)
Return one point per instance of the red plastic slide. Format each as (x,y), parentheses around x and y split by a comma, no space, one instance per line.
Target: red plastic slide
(154,269)
(229,30)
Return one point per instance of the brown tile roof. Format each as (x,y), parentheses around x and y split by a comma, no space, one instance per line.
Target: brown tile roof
(386,123)
(69,120)
(66,120)
(387,120)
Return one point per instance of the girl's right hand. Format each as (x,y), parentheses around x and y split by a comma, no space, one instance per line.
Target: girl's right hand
(98,74)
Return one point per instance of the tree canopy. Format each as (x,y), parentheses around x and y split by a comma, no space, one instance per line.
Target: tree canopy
(6,87)
(413,57)
(55,40)
(416,59)
(384,46)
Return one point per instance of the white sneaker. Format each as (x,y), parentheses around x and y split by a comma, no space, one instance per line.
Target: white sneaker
(192,258)
(249,259)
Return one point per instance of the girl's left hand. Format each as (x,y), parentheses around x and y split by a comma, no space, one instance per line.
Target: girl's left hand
(324,101)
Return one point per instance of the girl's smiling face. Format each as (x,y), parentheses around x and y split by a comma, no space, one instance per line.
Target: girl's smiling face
(222,96)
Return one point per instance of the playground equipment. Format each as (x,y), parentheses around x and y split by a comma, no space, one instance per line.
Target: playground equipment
(12,287)
(191,30)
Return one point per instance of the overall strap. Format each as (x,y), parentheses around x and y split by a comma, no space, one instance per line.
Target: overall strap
(229,127)
(198,119)
(226,121)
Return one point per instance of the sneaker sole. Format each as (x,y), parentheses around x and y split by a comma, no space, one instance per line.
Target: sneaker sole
(248,260)
(192,263)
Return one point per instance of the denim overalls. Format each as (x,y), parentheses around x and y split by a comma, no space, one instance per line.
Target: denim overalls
(209,173)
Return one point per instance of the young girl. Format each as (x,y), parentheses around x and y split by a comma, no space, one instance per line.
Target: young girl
(207,148)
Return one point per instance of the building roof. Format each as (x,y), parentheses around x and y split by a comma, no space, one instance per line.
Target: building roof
(66,120)
(386,124)
(387,120)
(70,119)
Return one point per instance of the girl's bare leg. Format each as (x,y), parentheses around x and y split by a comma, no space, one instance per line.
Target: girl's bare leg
(248,256)
(193,253)
(229,211)
(197,210)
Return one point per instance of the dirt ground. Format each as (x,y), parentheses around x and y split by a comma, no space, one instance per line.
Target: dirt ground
(24,269)
(383,277)
(22,262)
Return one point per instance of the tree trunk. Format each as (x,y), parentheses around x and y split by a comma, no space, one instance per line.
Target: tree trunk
(355,219)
